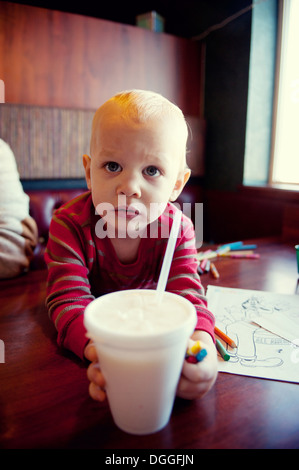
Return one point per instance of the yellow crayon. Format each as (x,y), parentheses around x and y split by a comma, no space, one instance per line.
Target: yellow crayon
(194,349)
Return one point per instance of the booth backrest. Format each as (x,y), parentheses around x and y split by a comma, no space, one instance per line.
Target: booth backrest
(44,202)
(42,205)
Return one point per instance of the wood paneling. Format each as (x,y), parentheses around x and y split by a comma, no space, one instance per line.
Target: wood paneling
(48,142)
(250,212)
(290,228)
(52,58)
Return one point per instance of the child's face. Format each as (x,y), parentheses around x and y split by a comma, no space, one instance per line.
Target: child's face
(141,162)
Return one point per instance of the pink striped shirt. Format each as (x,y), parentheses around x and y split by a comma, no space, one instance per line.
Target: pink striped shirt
(82,266)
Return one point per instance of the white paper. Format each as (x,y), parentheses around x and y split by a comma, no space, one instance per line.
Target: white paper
(265,328)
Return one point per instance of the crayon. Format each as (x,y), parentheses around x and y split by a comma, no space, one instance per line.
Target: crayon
(246,256)
(194,348)
(199,270)
(207,267)
(232,246)
(191,359)
(237,252)
(244,247)
(222,351)
(225,338)
(221,250)
(201,355)
(206,255)
(214,271)
(195,353)
(203,264)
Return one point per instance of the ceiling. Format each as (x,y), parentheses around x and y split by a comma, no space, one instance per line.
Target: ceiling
(185,18)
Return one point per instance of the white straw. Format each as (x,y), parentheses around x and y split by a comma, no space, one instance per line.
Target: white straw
(168,255)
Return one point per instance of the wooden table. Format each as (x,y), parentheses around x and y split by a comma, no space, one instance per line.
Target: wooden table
(44,401)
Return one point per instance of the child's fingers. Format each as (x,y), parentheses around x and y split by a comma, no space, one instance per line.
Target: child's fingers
(191,390)
(197,379)
(90,352)
(97,382)
(96,392)
(95,375)
(201,372)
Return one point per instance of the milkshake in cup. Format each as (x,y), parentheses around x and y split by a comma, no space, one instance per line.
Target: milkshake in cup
(141,345)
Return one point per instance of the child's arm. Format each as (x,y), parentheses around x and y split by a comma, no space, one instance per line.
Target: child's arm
(184,279)
(68,288)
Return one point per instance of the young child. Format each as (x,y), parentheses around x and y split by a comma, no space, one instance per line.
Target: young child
(102,241)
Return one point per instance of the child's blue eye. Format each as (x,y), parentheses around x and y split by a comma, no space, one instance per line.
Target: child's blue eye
(152,171)
(112,167)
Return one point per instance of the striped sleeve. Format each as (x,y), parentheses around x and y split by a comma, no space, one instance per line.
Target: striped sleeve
(68,288)
(184,279)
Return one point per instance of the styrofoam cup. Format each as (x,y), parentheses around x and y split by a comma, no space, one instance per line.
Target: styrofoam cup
(141,347)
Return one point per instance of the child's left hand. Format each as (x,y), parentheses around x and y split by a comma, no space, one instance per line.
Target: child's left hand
(197,379)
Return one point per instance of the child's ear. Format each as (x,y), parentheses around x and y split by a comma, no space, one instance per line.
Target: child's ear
(180,183)
(86,164)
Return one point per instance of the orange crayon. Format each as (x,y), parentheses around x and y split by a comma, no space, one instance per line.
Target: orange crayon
(214,271)
(225,338)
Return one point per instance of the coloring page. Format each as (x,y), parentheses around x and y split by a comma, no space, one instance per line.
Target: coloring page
(265,329)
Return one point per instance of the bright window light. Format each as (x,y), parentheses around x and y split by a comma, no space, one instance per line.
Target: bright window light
(285,163)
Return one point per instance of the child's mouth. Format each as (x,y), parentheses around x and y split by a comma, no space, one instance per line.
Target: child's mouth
(127,212)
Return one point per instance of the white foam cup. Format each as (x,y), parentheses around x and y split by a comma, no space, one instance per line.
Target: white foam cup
(141,347)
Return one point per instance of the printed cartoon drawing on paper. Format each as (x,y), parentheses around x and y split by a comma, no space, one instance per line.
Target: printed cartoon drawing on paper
(238,326)
(265,328)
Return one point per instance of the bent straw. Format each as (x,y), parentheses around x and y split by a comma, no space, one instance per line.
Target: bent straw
(168,255)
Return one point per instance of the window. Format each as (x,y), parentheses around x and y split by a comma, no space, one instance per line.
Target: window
(285,158)
(259,120)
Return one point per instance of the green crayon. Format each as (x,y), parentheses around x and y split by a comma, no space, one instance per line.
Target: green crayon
(223,352)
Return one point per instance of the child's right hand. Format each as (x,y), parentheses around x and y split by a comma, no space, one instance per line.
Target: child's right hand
(94,374)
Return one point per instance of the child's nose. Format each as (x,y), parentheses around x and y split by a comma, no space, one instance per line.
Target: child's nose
(129,186)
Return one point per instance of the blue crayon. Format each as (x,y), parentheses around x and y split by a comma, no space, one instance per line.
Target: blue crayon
(232,246)
(201,355)
(244,247)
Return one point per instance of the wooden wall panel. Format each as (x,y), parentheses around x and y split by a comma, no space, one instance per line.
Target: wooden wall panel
(51,58)
(290,228)
(250,212)
(48,142)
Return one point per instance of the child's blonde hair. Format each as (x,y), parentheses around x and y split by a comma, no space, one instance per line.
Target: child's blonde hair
(140,106)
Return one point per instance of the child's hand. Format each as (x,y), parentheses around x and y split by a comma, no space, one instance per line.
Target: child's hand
(97,381)
(197,379)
